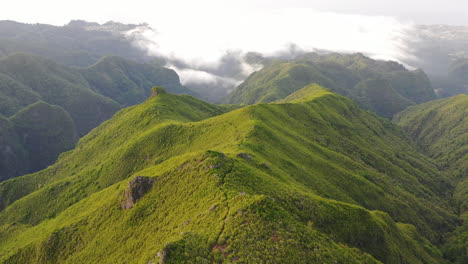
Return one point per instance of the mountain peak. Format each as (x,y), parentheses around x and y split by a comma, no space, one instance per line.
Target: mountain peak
(308,93)
(157,90)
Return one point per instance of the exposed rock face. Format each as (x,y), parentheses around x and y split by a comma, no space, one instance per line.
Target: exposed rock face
(243,155)
(157,90)
(163,254)
(136,189)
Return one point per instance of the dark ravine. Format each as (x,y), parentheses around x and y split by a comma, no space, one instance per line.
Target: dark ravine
(441,129)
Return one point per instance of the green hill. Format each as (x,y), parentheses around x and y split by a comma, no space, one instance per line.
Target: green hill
(384,87)
(458,74)
(310,179)
(45,131)
(128,82)
(13,157)
(89,95)
(441,129)
(56,84)
(33,138)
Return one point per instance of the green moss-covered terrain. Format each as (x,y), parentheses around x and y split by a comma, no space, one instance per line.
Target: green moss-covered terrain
(13,156)
(128,82)
(57,85)
(384,87)
(33,138)
(441,129)
(308,179)
(89,95)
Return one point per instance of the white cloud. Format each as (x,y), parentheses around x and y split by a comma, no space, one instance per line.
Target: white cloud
(201,38)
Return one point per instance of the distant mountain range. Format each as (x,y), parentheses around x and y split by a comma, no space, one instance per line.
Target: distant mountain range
(383,87)
(78,43)
(436,49)
(88,95)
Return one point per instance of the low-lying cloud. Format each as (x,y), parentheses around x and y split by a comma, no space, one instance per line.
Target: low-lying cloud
(208,47)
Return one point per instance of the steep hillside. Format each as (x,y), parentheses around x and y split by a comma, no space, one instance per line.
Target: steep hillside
(57,85)
(458,74)
(384,87)
(128,82)
(13,157)
(33,138)
(89,95)
(441,128)
(44,131)
(310,179)
(14,96)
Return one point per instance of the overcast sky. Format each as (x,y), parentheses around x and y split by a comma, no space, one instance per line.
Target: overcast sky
(61,11)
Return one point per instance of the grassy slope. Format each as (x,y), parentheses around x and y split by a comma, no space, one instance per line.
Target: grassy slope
(45,131)
(33,138)
(12,154)
(14,96)
(91,95)
(128,82)
(441,128)
(60,85)
(384,87)
(315,170)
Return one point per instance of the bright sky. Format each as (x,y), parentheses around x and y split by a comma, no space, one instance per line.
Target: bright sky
(61,11)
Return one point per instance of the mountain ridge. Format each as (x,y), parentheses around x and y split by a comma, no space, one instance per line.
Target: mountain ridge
(250,173)
(89,95)
(384,87)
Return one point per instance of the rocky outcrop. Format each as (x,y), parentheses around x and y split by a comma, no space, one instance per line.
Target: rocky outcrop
(245,156)
(136,189)
(157,90)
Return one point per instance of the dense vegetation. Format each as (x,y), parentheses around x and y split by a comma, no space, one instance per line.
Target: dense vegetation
(384,87)
(441,129)
(33,138)
(128,82)
(312,178)
(57,85)
(89,95)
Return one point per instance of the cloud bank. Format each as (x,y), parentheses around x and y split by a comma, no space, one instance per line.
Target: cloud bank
(208,47)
